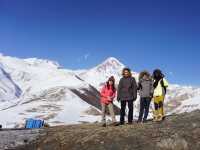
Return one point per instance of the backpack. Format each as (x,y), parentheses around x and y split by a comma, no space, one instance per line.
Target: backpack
(34,123)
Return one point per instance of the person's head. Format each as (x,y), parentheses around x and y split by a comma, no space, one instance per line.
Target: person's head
(126,72)
(144,75)
(111,83)
(157,74)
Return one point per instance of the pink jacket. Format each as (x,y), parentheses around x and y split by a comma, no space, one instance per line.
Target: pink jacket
(105,93)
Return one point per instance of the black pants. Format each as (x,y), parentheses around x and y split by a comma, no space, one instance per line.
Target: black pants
(158,105)
(144,108)
(123,111)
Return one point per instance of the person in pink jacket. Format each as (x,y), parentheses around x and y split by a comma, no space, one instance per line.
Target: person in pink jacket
(108,94)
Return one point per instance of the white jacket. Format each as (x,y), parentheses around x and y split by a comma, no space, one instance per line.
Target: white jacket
(159,90)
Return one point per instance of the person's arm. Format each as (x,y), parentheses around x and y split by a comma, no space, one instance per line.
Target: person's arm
(165,85)
(139,86)
(134,85)
(152,88)
(103,92)
(113,96)
(119,90)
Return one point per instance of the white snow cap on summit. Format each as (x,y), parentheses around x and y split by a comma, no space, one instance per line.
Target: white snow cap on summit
(99,74)
(111,61)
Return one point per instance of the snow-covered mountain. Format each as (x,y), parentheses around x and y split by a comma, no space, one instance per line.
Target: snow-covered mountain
(99,74)
(46,92)
(43,89)
(177,95)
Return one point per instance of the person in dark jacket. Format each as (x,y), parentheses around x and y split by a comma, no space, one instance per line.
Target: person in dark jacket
(127,93)
(145,87)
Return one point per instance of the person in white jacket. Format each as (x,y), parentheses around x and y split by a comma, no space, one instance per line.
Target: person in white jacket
(160,89)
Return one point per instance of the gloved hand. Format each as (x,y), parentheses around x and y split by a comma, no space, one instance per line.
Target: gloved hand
(151,95)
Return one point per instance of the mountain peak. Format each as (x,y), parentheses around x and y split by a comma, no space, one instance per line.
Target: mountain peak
(112,61)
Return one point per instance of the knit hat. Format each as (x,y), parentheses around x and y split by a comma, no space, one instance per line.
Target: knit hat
(111,79)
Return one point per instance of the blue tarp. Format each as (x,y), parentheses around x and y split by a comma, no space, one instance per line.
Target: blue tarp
(34,123)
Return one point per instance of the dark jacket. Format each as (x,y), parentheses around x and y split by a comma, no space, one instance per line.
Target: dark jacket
(127,89)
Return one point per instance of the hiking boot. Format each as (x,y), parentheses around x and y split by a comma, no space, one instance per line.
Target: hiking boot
(130,123)
(114,124)
(121,124)
(144,121)
(160,117)
(104,125)
(164,117)
(155,118)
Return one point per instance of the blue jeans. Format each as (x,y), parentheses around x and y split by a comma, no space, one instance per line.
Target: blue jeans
(144,108)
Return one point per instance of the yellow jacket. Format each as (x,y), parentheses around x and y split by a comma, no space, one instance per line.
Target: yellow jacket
(159,90)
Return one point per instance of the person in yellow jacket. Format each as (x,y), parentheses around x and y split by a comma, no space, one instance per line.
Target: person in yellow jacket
(160,90)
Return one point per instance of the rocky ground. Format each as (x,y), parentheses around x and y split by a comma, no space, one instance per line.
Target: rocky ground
(10,139)
(178,132)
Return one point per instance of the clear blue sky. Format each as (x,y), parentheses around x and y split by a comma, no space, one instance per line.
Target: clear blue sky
(143,34)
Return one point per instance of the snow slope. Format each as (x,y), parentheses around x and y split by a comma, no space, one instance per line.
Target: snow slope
(9,91)
(188,105)
(66,107)
(45,91)
(34,75)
